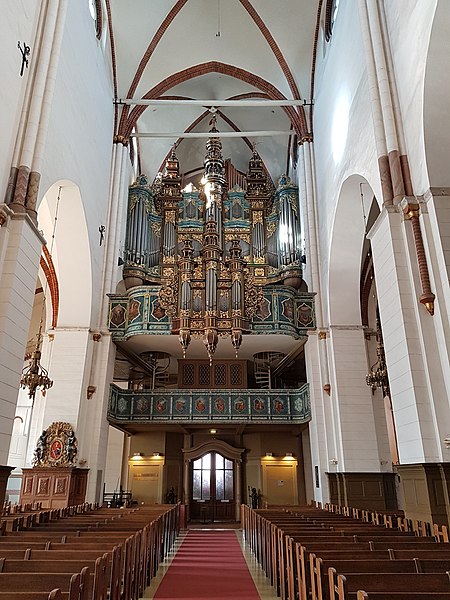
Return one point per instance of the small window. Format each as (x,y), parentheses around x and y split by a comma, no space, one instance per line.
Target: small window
(95,8)
(330,17)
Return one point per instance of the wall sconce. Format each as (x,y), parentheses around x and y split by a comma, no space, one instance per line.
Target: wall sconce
(333,461)
(447,442)
(213,431)
(90,391)
(327,388)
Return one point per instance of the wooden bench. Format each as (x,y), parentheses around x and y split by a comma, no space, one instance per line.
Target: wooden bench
(282,543)
(319,569)
(123,552)
(345,587)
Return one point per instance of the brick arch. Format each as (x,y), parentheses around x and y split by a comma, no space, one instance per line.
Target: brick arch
(273,46)
(48,267)
(259,22)
(299,124)
(148,53)
(203,116)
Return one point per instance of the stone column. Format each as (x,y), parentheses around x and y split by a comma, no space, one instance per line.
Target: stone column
(238,464)
(404,322)
(357,448)
(20,250)
(321,428)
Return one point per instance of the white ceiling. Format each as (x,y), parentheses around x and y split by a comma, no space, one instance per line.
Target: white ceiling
(191,39)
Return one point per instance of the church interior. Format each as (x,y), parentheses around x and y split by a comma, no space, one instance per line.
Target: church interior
(225,254)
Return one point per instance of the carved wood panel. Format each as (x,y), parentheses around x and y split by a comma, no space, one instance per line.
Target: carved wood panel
(223,374)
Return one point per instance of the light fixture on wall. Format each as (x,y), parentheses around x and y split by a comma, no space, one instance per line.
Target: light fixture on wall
(34,376)
(289,454)
(269,454)
(333,461)
(156,454)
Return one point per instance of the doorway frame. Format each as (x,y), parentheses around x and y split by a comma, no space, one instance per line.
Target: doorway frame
(228,451)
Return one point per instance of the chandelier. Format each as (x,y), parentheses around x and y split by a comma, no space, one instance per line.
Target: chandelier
(210,292)
(34,376)
(378,374)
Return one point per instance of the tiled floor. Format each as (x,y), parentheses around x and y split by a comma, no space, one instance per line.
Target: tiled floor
(265,591)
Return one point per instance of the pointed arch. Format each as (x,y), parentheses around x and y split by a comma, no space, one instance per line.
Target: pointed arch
(261,84)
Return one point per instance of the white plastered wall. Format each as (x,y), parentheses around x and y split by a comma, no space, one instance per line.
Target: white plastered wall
(77,153)
(344,146)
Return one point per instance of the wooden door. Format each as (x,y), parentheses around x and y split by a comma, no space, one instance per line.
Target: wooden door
(213,486)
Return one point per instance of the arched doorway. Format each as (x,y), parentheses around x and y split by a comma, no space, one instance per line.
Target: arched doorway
(213,483)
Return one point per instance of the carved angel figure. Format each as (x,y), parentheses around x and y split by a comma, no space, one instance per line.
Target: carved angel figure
(39,451)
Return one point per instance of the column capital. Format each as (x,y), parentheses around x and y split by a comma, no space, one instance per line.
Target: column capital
(120,139)
(410,207)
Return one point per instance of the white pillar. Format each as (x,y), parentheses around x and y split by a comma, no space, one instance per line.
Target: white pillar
(20,250)
(321,426)
(396,274)
(96,427)
(357,448)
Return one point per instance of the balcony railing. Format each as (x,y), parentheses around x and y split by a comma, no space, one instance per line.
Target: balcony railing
(283,310)
(156,406)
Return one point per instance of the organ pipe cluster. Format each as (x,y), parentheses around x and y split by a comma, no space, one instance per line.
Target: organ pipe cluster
(212,249)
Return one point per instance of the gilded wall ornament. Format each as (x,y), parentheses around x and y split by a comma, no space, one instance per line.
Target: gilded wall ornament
(56,447)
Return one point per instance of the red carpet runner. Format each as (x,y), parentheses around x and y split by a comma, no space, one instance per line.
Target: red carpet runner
(209,564)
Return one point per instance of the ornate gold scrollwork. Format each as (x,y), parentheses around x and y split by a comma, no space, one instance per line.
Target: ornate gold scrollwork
(271,227)
(56,447)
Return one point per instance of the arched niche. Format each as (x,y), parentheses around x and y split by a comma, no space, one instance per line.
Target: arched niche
(346,251)
(68,244)
(219,446)
(436,101)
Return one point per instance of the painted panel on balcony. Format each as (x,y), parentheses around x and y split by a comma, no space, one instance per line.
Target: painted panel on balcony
(209,406)
(282,310)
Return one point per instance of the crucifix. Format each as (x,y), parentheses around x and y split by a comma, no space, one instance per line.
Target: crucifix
(25,51)
(101,231)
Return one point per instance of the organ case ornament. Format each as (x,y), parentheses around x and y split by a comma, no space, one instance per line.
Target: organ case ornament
(212,249)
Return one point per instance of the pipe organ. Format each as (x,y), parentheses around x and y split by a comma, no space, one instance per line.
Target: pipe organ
(212,250)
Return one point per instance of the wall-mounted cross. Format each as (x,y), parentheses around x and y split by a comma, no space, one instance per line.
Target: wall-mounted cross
(25,51)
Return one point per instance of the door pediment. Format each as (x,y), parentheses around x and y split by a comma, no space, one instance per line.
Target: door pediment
(219,446)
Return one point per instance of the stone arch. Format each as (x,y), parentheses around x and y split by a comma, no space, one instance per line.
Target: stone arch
(436,100)
(68,247)
(346,249)
(298,119)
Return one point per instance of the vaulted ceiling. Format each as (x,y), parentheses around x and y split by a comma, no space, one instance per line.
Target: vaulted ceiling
(213,50)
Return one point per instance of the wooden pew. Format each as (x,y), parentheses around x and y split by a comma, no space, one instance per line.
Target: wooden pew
(319,570)
(345,587)
(362,595)
(152,534)
(277,537)
(76,586)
